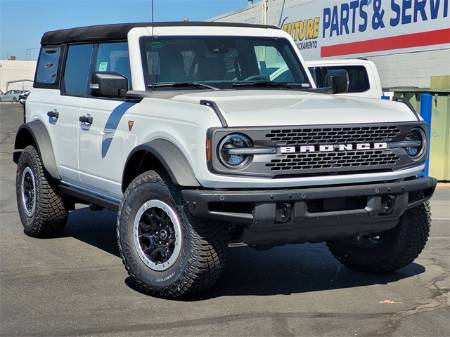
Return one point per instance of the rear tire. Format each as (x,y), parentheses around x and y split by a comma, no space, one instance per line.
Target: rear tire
(166,251)
(42,209)
(390,250)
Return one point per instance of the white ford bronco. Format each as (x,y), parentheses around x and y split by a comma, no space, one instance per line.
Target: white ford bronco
(183,129)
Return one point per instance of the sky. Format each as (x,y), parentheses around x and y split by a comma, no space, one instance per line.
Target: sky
(22,22)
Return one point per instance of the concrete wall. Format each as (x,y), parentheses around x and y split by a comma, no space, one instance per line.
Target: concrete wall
(412,68)
(16,70)
(250,14)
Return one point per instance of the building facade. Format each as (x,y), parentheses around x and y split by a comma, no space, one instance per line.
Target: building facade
(16,74)
(409,41)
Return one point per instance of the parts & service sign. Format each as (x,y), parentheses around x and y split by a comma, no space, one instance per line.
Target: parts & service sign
(360,27)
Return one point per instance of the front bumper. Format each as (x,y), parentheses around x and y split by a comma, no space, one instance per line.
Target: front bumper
(311,214)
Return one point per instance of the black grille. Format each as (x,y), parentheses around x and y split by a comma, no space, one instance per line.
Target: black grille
(334,160)
(333,135)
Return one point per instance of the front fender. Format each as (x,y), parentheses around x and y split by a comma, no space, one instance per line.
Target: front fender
(171,158)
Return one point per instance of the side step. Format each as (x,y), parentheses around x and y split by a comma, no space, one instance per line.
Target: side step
(90,198)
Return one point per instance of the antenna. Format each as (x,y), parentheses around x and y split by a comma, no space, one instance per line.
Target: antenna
(153,7)
(153,63)
(281,21)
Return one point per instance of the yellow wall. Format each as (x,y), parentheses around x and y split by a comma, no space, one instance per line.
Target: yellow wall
(440,138)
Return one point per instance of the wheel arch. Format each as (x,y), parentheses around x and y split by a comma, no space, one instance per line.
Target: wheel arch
(35,133)
(159,154)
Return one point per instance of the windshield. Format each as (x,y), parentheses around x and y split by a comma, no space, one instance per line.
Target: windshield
(221,62)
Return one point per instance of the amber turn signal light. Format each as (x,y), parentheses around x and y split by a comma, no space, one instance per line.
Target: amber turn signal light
(208,150)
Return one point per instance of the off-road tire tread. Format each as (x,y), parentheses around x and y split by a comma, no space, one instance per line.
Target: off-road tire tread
(209,247)
(51,212)
(411,241)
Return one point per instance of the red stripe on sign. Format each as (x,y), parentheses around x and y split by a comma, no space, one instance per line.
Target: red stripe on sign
(388,43)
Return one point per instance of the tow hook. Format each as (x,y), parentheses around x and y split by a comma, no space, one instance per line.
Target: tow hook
(387,203)
(283,212)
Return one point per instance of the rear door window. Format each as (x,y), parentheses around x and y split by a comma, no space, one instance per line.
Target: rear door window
(77,70)
(48,65)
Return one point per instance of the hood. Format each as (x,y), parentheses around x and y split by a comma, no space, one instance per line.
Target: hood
(278,108)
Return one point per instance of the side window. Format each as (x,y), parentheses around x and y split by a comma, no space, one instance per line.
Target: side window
(358,77)
(312,70)
(114,57)
(319,76)
(77,69)
(359,80)
(47,68)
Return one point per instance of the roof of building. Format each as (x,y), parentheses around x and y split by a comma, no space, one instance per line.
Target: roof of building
(119,31)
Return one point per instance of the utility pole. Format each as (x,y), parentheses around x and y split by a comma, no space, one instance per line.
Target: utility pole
(265,9)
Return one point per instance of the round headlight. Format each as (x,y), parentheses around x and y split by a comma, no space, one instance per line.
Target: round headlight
(418,142)
(231,142)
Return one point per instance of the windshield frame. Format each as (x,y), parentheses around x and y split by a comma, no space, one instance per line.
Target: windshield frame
(307,84)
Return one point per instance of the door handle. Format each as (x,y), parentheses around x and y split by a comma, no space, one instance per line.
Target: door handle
(53,114)
(86,119)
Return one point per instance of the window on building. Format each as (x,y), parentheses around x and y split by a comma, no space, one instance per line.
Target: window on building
(114,57)
(77,69)
(47,68)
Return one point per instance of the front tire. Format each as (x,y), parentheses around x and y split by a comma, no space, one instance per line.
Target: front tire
(42,209)
(387,251)
(166,251)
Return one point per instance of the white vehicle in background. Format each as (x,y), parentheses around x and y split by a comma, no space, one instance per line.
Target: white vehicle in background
(363,77)
(10,96)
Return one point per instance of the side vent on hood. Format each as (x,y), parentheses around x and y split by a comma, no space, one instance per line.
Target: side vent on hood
(213,105)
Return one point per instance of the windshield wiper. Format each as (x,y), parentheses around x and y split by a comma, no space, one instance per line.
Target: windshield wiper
(183,84)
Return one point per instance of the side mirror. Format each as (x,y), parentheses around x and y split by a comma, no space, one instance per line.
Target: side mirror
(109,84)
(338,80)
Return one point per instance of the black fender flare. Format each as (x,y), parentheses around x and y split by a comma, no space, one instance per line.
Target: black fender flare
(171,158)
(37,130)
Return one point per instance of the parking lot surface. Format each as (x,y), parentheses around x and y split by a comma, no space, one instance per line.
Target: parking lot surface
(76,285)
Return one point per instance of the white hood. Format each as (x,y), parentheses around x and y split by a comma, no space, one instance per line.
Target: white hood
(277,108)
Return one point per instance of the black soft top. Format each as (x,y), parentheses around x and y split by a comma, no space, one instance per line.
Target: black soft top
(119,31)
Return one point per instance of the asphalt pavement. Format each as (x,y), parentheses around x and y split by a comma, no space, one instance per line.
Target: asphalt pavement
(76,285)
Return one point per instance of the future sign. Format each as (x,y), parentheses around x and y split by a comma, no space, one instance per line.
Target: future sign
(343,28)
